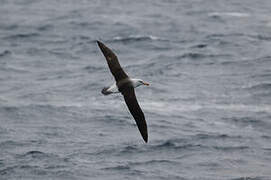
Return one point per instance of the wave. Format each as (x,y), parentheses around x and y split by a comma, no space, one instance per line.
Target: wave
(220,37)
(93,68)
(10,143)
(13,69)
(262,75)
(264,59)
(266,137)
(260,90)
(45,27)
(216,136)
(118,167)
(228,14)
(247,121)
(13,169)
(129,149)
(5,53)
(13,108)
(130,164)
(176,144)
(263,37)
(251,178)
(3,131)
(137,38)
(196,56)
(9,26)
(35,154)
(21,36)
(153,161)
(230,148)
(200,46)
(168,145)
(34,170)
(39,155)
(7,170)
(260,86)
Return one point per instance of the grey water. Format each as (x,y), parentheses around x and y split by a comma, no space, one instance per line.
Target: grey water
(208,106)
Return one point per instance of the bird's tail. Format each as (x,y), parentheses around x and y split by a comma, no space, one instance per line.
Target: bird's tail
(105,91)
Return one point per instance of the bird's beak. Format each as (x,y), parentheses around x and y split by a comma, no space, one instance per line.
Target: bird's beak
(145,83)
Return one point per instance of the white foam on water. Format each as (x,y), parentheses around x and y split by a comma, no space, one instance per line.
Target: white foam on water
(233,14)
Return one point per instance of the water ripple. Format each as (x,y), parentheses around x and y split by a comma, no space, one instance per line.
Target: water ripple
(135,38)
(5,53)
(22,36)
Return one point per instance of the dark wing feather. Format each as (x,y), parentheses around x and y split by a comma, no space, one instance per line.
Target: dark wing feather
(113,63)
(133,106)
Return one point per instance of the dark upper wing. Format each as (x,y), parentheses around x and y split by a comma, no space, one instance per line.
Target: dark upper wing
(112,62)
(133,106)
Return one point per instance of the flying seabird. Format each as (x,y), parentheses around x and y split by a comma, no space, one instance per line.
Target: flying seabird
(125,85)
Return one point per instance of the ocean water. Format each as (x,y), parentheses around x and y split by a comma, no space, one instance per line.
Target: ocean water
(208,108)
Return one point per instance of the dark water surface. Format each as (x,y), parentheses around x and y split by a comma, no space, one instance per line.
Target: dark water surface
(208,108)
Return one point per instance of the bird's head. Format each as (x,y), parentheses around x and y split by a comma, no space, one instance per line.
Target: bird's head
(139,82)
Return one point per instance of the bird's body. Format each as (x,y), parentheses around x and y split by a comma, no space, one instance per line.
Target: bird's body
(125,85)
(113,88)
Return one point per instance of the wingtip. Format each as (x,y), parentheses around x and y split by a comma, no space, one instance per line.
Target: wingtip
(144,132)
(98,42)
(145,139)
(102,46)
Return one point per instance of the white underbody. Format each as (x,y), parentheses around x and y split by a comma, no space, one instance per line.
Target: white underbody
(114,88)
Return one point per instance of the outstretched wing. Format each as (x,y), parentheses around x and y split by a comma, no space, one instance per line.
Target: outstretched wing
(133,106)
(113,63)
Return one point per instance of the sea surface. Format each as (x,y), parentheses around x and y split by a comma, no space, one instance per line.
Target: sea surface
(208,107)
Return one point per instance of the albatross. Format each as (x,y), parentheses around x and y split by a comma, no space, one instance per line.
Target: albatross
(125,85)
